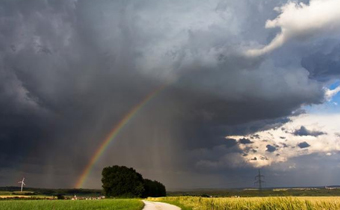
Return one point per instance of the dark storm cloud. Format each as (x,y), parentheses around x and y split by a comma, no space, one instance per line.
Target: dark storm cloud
(230,142)
(270,148)
(254,126)
(303,145)
(323,64)
(70,70)
(319,165)
(55,106)
(245,141)
(303,131)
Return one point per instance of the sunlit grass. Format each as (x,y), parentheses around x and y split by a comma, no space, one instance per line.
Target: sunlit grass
(255,203)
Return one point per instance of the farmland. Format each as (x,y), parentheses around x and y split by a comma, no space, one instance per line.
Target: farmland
(107,204)
(238,199)
(254,203)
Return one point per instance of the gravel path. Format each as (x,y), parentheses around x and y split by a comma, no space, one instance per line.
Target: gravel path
(159,206)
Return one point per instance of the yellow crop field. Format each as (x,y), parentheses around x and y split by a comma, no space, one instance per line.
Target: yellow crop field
(254,203)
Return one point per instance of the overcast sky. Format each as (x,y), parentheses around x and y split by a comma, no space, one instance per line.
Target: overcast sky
(250,84)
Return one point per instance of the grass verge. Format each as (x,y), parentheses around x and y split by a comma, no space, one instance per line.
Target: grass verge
(106,204)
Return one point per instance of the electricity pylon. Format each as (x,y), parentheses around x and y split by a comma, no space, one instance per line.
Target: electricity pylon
(259,179)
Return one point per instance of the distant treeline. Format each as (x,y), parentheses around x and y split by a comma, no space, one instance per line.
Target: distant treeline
(120,181)
(52,192)
(321,191)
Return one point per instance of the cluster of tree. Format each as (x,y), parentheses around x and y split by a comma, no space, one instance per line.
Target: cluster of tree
(120,181)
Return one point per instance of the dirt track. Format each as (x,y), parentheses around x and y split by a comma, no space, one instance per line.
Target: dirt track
(159,206)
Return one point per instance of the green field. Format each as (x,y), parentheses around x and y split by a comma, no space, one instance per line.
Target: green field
(106,204)
(5,193)
(255,203)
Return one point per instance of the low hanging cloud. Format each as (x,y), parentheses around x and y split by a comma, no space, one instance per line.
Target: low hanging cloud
(245,141)
(270,148)
(303,145)
(323,62)
(301,21)
(330,93)
(293,139)
(303,131)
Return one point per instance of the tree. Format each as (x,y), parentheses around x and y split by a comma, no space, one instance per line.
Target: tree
(161,191)
(120,181)
(153,189)
(150,188)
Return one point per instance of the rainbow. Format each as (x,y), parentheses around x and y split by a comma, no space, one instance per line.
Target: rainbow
(113,134)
